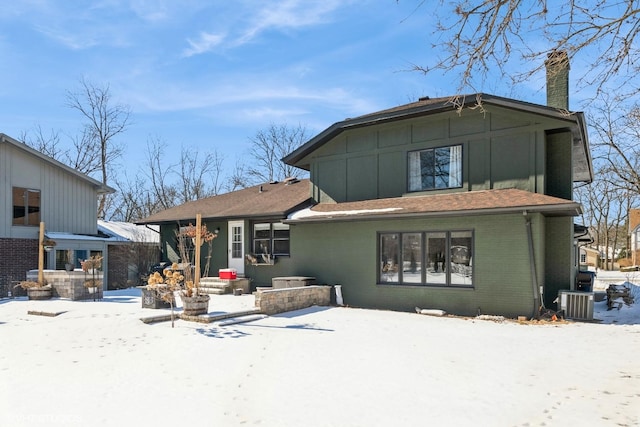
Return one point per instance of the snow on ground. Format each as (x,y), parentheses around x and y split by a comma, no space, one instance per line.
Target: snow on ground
(97,364)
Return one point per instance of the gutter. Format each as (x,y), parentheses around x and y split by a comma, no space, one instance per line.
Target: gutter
(537,298)
(572,209)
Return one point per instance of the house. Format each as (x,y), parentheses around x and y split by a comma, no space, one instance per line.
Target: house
(35,188)
(634,236)
(252,237)
(468,210)
(131,251)
(589,258)
(463,204)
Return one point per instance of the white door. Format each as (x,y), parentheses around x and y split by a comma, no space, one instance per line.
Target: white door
(236,246)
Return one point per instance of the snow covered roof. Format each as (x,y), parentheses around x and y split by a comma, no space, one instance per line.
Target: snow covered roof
(59,236)
(129,232)
(482,202)
(112,232)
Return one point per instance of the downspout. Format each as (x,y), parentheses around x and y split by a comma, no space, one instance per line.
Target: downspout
(537,300)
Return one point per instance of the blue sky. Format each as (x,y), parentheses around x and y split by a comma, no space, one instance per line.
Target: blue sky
(210,74)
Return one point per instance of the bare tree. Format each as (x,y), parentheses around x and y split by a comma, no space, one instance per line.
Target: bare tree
(104,122)
(166,181)
(84,156)
(199,174)
(49,145)
(478,37)
(268,147)
(133,200)
(239,177)
(157,172)
(617,132)
(616,186)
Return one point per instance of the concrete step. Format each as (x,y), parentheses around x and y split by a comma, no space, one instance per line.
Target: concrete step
(215,286)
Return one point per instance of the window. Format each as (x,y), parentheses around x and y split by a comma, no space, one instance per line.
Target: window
(26,206)
(442,258)
(435,168)
(271,238)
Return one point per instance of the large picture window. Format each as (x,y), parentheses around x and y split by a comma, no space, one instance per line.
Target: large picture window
(435,168)
(26,206)
(271,238)
(443,258)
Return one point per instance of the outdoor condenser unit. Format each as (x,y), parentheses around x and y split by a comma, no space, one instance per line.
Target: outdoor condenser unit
(576,305)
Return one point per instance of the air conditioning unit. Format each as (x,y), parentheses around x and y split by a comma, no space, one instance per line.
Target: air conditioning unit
(576,305)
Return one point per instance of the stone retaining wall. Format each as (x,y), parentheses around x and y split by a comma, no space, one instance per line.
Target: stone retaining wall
(68,284)
(274,301)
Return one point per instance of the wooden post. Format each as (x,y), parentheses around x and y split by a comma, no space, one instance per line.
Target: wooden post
(41,255)
(196,282)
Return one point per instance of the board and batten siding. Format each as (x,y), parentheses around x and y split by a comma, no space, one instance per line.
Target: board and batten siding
(501,149)
(68,204)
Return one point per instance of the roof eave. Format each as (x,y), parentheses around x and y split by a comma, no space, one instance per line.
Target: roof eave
(99,186)
(577,120)
(261,215)
(569,209)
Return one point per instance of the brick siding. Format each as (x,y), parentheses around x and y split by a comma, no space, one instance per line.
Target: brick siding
(17,256)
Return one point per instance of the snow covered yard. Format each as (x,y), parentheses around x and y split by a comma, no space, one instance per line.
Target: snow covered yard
(97,364)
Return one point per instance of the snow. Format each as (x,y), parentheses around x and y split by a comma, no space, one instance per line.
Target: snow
(310,213)
(126,231)
(97,364)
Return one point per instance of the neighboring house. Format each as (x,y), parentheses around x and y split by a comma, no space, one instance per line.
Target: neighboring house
(251,235)
(589,258)
(634,236)
(468,210)
(35,188)
(132,250)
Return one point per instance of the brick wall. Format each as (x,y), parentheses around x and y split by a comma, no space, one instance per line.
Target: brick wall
(17,256)
(634,218)
(118,266)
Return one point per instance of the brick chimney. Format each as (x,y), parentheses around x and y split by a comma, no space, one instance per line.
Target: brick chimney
(557,65)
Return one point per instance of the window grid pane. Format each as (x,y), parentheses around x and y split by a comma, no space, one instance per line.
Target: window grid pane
(236,242)
(443,258)
(435,168)
(412,257)
(389,257)
(271,238)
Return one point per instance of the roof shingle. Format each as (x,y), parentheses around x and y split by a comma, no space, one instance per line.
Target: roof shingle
(462,203)
(265,200)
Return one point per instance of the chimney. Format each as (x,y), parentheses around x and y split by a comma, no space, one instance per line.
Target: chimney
(557,65)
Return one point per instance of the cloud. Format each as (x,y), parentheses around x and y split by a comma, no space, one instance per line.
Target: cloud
(204,43)
(247,24)
(290,14)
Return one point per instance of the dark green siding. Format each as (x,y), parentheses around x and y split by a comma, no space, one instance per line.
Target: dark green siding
(511,162)
(362,177)
(558,165)
(501,149)
(559,273)
(346,253)
(332,180)
(218,257)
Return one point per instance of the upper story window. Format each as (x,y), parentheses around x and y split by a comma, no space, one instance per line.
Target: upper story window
(435,168)
(271,238)
(26,206)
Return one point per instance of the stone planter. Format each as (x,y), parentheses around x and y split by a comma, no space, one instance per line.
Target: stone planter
(39,293)
(193,306)
(92,289)
(150,299)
